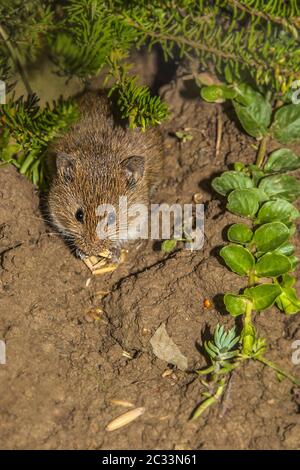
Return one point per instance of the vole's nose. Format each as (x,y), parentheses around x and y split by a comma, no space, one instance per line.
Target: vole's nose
(116,253)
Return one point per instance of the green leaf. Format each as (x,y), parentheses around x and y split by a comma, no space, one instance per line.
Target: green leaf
(260,194)
(217,93)
(294,262)
(239,233)
(286,249)
(286,125)
(256,173)
(281,186)
(244,202)
(253,111)
(245,94)
(238,259)
(235,304)
(288,301)
(270,236)
(282,160)
(259,347)
(279,209)
(272,265)
(239,166)
(263,296)
(230,180)
(287,280)
(168,245)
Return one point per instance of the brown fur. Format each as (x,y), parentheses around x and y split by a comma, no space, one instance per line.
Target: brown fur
(97,146)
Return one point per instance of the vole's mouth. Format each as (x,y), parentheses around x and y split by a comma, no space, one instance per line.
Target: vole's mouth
(103,254)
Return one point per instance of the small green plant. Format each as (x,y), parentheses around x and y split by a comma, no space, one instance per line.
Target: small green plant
(223,355)
(261,249)
(28,129)
(168,246)
(184,136)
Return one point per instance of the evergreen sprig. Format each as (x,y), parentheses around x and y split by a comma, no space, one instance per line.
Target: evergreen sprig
(28,131)
(85,39)
(244,40)
(238,38)
(25,24)
(135,101)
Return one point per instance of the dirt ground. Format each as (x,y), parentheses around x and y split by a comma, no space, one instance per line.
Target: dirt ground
(66,360)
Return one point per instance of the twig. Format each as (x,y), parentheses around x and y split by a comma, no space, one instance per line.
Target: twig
(262,152)
(201,46)
(226,396)
(219,132)
(284,22)
(16,59)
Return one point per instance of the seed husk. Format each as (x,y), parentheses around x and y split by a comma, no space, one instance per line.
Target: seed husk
(105,269)
(124,419)
(105,254)
(124,403)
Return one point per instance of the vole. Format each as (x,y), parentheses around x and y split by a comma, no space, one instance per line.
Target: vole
(97,161)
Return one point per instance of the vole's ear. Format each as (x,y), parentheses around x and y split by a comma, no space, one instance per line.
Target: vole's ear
(133,169)
(65,165)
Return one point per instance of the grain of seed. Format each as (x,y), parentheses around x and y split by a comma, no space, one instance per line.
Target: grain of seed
(105,254)
(127,354)
(124,419)
(125,404)
(166,373)
(105,270)
(197,198)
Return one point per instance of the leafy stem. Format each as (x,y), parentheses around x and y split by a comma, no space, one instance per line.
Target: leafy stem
(211,400)
(262,151)
(277,369)
(262,249)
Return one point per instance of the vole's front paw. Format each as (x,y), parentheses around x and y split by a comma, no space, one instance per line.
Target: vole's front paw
(116,254)
(80,254)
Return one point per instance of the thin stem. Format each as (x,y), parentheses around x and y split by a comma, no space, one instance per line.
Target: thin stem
(279,370)
(251,279)
(17,60)
(248,314)
(284,22)
(247,333)
(262,151)
(211,400)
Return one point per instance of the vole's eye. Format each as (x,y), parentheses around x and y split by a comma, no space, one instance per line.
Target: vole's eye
(111,218)
(79,215)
